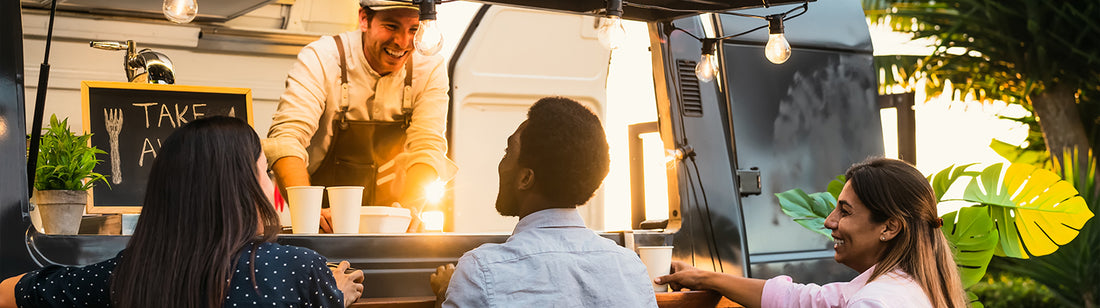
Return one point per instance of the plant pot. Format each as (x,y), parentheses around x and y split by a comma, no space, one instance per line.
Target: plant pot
(61,210)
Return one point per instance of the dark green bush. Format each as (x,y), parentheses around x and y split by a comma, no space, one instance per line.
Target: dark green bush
(998,290)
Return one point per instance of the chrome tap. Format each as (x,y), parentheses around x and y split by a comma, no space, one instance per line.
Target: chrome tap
(156,66)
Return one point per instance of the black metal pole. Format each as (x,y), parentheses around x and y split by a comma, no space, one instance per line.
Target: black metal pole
(39,105)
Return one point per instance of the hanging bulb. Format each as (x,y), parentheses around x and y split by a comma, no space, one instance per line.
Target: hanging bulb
(611,32)
(707,68)
(778,50)
(180,11)
(708,64)
(428,39)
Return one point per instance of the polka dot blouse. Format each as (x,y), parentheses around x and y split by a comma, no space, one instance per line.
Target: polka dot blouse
(286,276)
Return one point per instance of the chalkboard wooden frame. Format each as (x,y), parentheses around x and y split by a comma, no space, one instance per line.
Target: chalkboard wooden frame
(209,98)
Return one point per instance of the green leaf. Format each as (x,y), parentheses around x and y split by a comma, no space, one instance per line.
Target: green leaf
(808,210)
(971,232)
(1018,155)
(943,180)
(835,186)
(1035,211)
(973,300)
(65,160)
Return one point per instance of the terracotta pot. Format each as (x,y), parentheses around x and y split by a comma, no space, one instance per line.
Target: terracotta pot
(61,210)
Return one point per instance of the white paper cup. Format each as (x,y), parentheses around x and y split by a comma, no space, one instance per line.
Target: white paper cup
(345,201)
(305,208)
(658,261)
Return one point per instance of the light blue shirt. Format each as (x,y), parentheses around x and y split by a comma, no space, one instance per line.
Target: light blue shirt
(551,260)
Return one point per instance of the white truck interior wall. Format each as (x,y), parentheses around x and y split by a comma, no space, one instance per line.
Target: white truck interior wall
(516,57)
(72,61)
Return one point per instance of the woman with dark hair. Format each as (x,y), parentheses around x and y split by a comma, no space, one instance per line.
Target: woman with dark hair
(884,226)
(205,239)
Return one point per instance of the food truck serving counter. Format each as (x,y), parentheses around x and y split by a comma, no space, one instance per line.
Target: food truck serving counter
(395,265)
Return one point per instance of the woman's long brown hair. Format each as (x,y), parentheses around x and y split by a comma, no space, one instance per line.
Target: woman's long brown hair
(894,189)
(202,205)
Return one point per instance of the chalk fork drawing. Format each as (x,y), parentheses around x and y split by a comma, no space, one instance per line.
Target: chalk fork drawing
(114,126)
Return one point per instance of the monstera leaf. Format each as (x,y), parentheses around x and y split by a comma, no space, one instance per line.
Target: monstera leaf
(943,180)
(808,210)
(974,237)
(1034,210)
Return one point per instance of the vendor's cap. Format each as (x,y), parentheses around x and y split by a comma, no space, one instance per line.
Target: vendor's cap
(379,5)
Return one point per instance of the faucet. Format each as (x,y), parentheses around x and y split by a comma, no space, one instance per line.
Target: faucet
(157,67)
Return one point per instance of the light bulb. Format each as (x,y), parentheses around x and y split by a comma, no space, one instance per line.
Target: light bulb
(180,11)
(778,50)
(611,32)
(428,39)
(706,68)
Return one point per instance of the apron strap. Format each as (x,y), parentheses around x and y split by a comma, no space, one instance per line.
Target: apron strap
(406,95)
(341,114)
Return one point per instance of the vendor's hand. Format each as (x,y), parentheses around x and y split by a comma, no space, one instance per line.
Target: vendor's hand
(326,220)
(684,276)
(350,284)
(441,280)
(415,225)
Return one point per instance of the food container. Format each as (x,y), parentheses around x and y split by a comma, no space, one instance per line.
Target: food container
(384,219)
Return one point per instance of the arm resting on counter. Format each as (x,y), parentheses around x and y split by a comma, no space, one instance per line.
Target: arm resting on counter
(745,291)
(7,292)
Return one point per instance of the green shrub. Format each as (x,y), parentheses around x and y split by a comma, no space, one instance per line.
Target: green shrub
(998,290)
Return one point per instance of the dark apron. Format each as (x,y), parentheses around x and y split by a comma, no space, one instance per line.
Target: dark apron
(359,148)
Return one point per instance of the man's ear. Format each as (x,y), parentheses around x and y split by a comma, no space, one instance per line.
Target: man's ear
(526,178)
(892,228)
(364,23)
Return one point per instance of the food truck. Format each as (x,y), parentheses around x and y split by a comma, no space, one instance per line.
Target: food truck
(721,137)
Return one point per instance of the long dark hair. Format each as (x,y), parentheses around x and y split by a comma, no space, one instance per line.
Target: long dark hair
(203,205)
(894,189)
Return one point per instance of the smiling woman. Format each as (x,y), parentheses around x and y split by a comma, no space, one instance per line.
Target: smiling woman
(884,226)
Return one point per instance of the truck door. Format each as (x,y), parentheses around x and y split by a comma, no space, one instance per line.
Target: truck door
(509,58)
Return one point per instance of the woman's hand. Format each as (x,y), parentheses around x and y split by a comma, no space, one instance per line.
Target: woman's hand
(350,284)
(684,276)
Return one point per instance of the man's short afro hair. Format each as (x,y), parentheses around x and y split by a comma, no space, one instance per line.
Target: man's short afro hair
(565,145)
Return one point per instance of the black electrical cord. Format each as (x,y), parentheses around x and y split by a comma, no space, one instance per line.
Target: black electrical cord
(804,7)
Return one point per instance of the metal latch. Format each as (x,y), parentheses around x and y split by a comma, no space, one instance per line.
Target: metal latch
(748,181)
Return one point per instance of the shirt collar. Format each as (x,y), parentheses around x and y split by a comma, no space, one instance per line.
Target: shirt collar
(853,286)
(550,218)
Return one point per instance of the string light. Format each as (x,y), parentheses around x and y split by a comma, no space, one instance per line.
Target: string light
(180,11)
(778,50)
(611,32)
(429,38)
(708,64)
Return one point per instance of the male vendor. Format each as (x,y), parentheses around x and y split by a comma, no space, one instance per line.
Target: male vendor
(363,108)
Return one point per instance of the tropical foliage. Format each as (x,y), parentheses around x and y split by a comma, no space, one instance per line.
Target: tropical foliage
(65,160)
(1072,272)
(1037,53)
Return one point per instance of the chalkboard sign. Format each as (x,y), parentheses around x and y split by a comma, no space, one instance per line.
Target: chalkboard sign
(130,121)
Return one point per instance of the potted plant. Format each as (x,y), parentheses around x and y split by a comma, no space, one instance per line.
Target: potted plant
(63,176)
